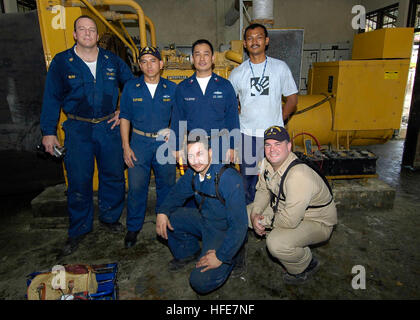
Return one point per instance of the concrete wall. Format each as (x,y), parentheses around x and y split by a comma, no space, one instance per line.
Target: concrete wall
(324,21)
(10,6)
(181,21)
(184,21)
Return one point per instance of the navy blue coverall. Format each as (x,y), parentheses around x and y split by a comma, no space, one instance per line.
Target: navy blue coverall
(221,227)
(216,109)
(148,115)
(70,85)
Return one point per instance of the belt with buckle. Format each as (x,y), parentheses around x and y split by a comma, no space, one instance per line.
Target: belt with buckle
(90,120)
(146,134)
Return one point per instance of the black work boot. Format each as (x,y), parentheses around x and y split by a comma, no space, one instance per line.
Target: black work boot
(70,246)
(177,264)
(300,278)
(239,268)
(114,227)
(130,239)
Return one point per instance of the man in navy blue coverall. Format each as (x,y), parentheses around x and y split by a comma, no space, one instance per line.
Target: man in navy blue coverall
(84,81)
(146,103)
(222,227)
(208,102)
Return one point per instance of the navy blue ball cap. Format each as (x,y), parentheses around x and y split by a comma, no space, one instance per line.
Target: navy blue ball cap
(277,133)
(150,50)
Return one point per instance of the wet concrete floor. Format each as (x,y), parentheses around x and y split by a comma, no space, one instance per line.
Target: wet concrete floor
(384,242)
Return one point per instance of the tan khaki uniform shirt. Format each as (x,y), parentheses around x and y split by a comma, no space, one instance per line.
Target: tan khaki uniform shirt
(302,187)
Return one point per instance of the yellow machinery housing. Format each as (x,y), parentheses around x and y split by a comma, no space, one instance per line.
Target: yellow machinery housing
(365,105)
(364,96)
(355,102)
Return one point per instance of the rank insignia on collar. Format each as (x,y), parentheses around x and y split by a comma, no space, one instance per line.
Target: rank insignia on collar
(266,175)
(191,81)
(216,79)
(105,56)
(137,85)
(164,85)
(208,176)
(71,59)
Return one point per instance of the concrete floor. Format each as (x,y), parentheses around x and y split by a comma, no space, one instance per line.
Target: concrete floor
(384,242)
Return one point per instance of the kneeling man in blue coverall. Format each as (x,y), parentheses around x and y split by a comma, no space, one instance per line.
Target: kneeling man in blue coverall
(220,221)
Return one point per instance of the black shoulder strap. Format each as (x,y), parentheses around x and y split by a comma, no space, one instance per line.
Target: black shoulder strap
(281,196)
(216,182)
(283,177)
(202,194)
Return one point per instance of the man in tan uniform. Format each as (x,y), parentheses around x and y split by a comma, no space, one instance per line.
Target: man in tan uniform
(302,215)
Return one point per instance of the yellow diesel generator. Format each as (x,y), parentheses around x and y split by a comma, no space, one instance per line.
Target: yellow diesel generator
(357,102)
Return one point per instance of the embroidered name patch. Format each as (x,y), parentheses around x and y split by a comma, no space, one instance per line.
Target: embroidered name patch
(217,95)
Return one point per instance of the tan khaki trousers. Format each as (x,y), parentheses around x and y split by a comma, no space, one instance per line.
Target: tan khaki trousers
(290,246)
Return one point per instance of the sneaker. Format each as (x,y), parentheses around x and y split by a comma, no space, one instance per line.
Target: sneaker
(177,264)
(114,227)
(304,276)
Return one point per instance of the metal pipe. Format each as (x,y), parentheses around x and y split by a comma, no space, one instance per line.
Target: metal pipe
(234,56)
(102,18)
(242,9)
(115,16)
(152,31)
(129,37)
(128,3)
